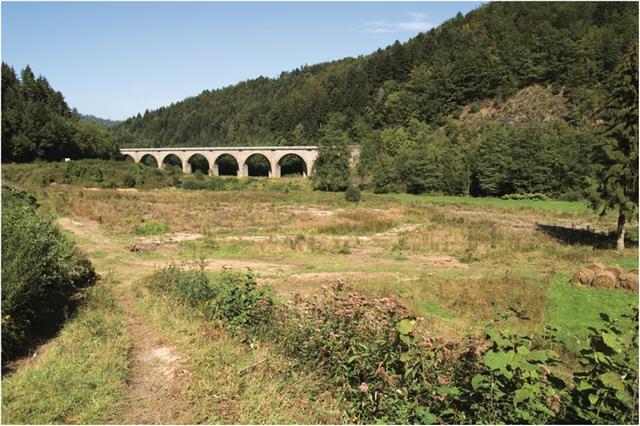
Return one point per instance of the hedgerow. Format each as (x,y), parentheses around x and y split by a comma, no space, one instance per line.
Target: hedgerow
(41,272)
(125,174)
(389,371)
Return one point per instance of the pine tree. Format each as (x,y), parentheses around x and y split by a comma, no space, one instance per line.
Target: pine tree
(616,182)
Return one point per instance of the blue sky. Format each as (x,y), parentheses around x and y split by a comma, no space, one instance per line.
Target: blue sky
(114,60)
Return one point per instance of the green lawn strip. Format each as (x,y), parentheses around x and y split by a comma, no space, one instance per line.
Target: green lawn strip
(626,262)
(563,206)
(81,377)
(572,310)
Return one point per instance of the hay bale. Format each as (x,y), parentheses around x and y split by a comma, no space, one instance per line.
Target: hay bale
(615,270)
(595,267)
(628,281)
(584,276)
(605,279)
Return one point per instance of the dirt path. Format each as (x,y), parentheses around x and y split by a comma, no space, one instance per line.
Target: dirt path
(159,378)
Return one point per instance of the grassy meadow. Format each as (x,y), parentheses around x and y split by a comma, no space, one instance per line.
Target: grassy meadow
(458,264)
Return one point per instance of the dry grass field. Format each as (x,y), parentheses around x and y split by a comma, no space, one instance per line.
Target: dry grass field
(457,264)
(452,261)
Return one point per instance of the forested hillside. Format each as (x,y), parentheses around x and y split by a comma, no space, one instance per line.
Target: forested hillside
(37,123)
(494,51)
(507,99)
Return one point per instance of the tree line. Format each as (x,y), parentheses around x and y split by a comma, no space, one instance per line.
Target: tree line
(37,123)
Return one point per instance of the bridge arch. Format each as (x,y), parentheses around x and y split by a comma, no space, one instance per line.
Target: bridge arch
(149,160)
(226,164)
(257,165)
(292,164)
(272,161)
(129,158)
(171,160)
(198,162)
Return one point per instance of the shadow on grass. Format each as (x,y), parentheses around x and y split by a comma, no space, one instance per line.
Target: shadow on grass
(586,237)
(45,331)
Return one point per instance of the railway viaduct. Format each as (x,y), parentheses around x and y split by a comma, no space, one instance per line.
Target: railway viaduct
(274,155)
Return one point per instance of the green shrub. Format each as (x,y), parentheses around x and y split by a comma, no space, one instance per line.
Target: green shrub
(41,272)
(190,286)
(233,297)
(240,302)
(128,181)
(151,228)
(514,382)
(193,184)
(531,196)
(352,194)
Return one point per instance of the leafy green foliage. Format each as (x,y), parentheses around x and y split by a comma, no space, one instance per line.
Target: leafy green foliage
(606,390)
(532,196)
(104,122)
(41,272)
(514,383)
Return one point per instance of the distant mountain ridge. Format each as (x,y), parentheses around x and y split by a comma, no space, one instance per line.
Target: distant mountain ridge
(104,122)
(492,52)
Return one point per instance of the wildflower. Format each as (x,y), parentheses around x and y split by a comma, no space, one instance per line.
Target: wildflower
(364,388)
(443,380)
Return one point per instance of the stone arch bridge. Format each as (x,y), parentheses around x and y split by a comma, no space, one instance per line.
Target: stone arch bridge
(274,155)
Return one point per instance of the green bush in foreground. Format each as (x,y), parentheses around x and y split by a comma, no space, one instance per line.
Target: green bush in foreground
(233,298)
(41,272)
(606,391)
(390,372)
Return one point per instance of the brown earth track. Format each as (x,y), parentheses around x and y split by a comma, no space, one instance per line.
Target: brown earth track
(159,379)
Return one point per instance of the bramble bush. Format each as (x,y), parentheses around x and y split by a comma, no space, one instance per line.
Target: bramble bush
(389,371)
(41,273)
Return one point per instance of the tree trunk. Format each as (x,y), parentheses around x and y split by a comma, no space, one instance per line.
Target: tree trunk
(620,242)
